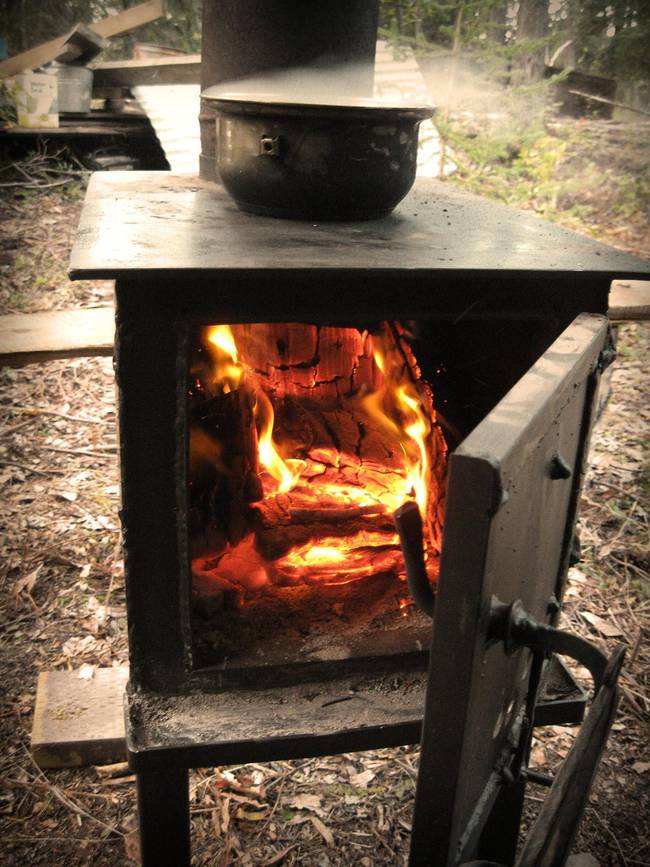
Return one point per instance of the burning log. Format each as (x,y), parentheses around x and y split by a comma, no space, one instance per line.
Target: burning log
(350,410)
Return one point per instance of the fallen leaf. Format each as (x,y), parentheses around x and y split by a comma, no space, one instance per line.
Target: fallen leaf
(250,815)
(578,576)
(362,779)
(537,756)
(70,496)
(27,583)
(305,802)
(279,856)
(603,626)
(323,830)
(641,767)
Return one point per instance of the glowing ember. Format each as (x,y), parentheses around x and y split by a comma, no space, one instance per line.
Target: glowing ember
(324,554)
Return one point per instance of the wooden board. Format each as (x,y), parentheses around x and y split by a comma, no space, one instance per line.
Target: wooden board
(136,16)
(112,25)
(629,300)
(76,130)
(30,337)
(131,73)
(80,44)
(79,721)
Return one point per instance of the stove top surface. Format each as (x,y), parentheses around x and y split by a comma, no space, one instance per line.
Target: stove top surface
(160,223)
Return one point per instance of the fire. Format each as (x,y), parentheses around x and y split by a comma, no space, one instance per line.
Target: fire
(342,496)
(228,372)
(324,553)
(286,473)
(398,407)
(418,430)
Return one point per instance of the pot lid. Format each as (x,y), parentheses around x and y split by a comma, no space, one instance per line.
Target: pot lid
(270,103)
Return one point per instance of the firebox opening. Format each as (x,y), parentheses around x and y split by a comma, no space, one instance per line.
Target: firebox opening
(303,441)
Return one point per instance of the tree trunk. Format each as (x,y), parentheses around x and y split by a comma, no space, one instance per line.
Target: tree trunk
(532,28)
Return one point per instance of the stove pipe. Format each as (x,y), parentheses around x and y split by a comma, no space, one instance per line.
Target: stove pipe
(242,38)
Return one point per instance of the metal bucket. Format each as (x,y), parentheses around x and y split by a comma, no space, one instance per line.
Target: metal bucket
(75,89)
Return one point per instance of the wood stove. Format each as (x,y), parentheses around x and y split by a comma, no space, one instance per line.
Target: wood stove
(494,320)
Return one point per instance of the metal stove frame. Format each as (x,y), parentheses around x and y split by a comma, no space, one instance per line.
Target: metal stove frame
(182,254)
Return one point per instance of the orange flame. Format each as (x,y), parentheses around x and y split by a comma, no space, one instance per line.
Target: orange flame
(228,371)
(286,473)
(417,429)
(398,407)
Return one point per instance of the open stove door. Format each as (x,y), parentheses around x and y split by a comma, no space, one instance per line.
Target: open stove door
(513,489)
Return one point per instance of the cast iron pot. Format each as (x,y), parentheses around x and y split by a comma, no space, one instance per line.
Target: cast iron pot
(351,161)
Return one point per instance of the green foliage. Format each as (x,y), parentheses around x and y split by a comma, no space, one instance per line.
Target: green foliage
(569,173)
(608,37)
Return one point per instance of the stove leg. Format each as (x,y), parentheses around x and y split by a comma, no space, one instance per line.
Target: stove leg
(501,832)
(164,814)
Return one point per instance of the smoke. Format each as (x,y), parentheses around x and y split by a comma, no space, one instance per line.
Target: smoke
(451,83)
(321,83)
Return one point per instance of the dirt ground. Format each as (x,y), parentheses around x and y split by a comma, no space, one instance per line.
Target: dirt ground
(62,605)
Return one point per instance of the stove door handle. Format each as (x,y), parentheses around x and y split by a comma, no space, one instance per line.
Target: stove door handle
(516,628)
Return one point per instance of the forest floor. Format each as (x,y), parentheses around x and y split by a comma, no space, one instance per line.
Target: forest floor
(62,605)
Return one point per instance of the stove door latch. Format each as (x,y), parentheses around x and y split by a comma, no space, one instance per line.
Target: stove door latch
(512,625)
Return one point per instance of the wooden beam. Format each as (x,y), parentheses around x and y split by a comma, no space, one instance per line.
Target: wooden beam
(136,16)
(629,300)
(164,70)
(31,337)
(79,44)
(79,720)
(112,25)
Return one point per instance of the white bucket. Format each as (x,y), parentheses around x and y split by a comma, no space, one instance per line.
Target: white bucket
(35,96)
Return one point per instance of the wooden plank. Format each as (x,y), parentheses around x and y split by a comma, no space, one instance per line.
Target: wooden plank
(79,721)
(30,337)
(79,129)
(131,73)
(112,25)
(136,16)
(629,300)
(81,42)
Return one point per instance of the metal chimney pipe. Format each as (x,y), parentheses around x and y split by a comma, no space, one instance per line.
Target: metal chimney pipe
(248,37)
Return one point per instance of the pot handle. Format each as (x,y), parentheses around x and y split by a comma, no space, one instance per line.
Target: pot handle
(270,146)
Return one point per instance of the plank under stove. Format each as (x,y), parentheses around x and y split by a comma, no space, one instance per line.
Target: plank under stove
(300,721)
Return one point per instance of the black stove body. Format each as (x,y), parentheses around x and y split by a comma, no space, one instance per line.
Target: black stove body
(514,313)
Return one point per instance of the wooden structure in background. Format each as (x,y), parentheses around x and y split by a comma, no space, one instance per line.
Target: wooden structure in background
(63,47)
